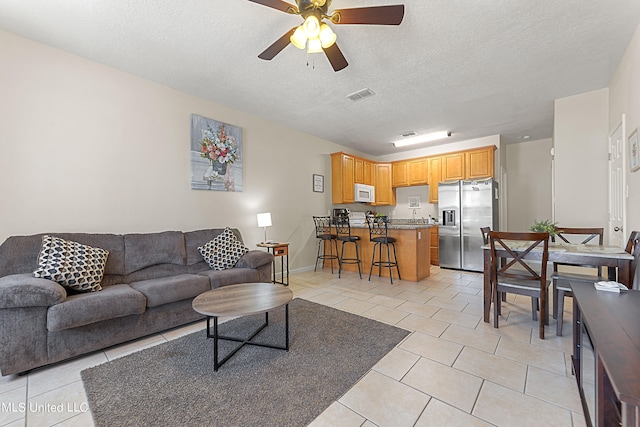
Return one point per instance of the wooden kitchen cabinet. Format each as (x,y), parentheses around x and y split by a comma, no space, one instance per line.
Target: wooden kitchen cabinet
(435,176)
(418,171)
(342,178)
(347,170)
(479,163)
(400,174)
(453,166)
(385,196)
(363,171)
(434,247)
(411,172)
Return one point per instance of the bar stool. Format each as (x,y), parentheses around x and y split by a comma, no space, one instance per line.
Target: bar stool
(343,230)
(324,234)
(379,235)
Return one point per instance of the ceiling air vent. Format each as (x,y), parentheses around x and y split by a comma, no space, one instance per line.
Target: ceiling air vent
(361,94)
(410,133)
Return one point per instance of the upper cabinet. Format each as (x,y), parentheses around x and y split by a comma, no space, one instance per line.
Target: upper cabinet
(419,171)
(342,178)
(346,170)
(479,163)
(453,167)
(363,171)
(385,196)
(400,170)
(411,172)
(435,176)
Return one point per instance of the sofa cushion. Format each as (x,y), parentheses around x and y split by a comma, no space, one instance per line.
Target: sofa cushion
(145,250)
(224,251)
(197,238)
(230,276)
(71,264)
(86,308)
(170,289)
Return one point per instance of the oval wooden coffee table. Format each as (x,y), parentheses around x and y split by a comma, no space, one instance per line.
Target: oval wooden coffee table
(242,300)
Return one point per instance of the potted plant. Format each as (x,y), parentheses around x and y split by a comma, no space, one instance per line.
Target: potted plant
(546,226)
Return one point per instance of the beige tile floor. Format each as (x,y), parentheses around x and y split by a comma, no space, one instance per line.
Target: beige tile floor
(453,370)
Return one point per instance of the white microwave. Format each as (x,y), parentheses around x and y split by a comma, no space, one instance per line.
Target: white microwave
(364,193)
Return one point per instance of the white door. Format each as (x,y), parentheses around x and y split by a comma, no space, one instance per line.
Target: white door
(617,187)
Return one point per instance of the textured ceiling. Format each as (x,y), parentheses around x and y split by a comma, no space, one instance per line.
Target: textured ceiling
(474,67)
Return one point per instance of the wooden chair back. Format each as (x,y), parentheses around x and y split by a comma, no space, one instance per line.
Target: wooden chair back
(587,234)
(581,236)
(633,247)
(515,267)
(485,234)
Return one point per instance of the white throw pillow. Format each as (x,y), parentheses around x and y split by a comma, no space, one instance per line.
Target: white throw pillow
(223,251)
(71,264)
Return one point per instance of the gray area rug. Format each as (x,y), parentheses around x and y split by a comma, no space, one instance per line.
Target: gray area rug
(174,383)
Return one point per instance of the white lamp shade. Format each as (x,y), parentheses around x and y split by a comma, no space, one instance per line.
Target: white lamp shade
(264,219)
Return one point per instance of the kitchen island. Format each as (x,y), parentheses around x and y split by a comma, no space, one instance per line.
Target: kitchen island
(412,249)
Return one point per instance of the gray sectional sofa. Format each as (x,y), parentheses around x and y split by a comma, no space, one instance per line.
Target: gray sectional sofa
(148,284)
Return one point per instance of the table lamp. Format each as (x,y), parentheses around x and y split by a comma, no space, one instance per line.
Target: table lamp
(264,220)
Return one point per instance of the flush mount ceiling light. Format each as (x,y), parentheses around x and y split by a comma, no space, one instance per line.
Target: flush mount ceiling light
(419,139)
(317,36)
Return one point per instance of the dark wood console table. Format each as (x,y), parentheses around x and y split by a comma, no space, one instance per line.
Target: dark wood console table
(606,354)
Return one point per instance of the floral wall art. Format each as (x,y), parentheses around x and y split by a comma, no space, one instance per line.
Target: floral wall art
(216,155)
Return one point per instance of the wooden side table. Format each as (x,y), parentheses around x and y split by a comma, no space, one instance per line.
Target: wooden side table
(279,250)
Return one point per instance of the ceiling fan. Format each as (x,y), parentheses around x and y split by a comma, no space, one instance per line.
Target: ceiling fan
(316,35)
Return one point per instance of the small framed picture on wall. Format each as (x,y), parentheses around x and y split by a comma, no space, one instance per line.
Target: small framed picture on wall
(318,183)
(634,154)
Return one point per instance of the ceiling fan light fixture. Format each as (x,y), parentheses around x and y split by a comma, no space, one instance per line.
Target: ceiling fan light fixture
(315,46)
(327,36)
(419,139)
(311,27)
(298,38)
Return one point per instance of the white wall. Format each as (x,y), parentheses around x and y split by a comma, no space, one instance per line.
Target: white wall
(580,139)
(88,148)
(529,183)
(624,97)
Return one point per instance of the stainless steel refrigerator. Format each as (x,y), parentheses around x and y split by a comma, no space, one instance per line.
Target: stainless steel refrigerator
(463,208)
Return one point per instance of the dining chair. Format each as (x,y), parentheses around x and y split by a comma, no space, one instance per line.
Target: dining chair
(517,276)
(325,235)
(485,234)
(633,247)
(560,279)
(379,235)
(343,232)
(485,238)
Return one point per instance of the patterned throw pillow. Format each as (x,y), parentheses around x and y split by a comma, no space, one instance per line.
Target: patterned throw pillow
(224,251)
(71,264)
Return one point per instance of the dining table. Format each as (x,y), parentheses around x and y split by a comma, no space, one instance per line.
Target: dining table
(616,259)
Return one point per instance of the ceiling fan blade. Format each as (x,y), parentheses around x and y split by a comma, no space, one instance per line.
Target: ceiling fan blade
(375,15)
(335,56)
(278,4)
(270,52)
